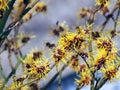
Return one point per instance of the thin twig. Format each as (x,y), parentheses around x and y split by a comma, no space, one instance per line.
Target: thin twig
(10,60)
(117,17)
(108,17)
(2,73)
(90,21)
(53,78)
(102,82)
(9,28)
(13,71)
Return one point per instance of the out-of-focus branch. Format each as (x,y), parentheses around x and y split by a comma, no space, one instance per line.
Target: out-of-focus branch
(90,21)
(20,11)
(29,7)
(108,17)
(53,78)
(10,61)
(14,69)
(2,73)
(79,87)
(4,34)
(6,15)
(103,81)
(117,17)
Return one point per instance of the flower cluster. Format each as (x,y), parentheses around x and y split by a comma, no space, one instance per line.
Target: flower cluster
(84,77)
(60,55)
(77,42)
(73,40)
(70,44)
(17,82)
(106,58)
(105,44)
(111,72)
(36,65)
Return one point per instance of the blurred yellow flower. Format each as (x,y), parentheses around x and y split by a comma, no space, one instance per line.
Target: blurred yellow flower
(74,63)
(82,13)
(111,71)
(36,65)
(3,5)
(84,78)
(41,7)
(100,59)
(105,43)
(102,2)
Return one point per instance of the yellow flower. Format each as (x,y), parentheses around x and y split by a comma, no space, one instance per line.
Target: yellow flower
(3,5)
(27,17)
(66,40)
(105,43)
(83,13)
(74,63)
(84,78)
(17,82)
(105,54)
(1,83)
(100,53)
(41,7)
(36,65)
(111,72)
(60,55)
(71,40)
(60,29)
(102,2)
(100,59)
(25,88)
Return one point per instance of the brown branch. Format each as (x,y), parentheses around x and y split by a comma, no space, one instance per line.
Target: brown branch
(102,82)
(117,17)
(9,28)
(53,78)
(10,60)
(108,17)
(90,21)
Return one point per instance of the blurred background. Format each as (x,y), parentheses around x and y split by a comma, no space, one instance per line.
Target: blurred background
(40,25)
